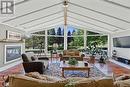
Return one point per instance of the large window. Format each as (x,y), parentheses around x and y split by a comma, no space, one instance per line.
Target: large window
(55,40)
(35,42)
(75,38)
(55,36)
(97,44)
(98,41)
(56,31)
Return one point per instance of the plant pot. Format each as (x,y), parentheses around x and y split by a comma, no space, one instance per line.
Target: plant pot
(92,59)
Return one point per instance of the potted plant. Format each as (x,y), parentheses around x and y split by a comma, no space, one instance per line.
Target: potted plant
(92,49)
(102,60)
(72,61)
(70,83)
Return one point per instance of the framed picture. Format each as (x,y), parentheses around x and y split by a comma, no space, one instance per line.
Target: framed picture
(10,35)
(12,53)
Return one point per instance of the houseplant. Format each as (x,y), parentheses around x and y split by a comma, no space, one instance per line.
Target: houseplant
(71,83)
(72,61)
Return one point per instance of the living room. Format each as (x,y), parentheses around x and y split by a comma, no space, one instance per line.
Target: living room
(68,43)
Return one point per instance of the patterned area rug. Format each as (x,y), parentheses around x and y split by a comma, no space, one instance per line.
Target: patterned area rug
(55,70)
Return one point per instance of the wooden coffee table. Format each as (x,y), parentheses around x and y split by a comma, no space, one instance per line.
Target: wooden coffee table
(80,67)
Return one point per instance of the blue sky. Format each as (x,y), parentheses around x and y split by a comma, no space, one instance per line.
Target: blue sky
(69,28)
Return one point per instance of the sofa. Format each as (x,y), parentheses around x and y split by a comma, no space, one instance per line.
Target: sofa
(35,79)
(122,81)
(71,53)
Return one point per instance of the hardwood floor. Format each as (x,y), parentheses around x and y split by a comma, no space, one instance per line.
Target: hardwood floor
(117,70)
(111,68)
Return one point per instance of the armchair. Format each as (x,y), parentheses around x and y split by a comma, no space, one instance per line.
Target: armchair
(32,66)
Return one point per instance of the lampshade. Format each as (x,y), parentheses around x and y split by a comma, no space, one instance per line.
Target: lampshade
(55,45)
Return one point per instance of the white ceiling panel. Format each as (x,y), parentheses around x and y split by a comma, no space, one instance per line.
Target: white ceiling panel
(32,17)
(122,3)
(85,24)
(32,6)
(75,25)
(52,23)
(44,27)
(96,16)
(94,22)
(31,23)
(104,8)
(105,16)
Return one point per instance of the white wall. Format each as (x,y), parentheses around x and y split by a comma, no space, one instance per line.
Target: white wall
(3,29)
(121,52)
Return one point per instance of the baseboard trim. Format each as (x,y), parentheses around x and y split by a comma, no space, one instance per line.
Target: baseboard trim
(10,65)
(119,63)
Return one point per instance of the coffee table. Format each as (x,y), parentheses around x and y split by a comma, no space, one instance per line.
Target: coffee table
(79,67)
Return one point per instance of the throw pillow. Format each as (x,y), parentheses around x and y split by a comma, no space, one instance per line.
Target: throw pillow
(57,79)
(75,78)
(122,83)
(72,54)
(29,54)
(123,77)
(84,80)
(36,75)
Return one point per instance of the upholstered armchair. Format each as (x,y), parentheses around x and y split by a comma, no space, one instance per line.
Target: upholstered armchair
(32,66)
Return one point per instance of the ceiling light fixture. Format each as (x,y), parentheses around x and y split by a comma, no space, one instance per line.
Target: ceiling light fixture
(65,3)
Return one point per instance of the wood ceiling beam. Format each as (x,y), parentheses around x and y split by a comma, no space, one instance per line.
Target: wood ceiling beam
(65,3)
